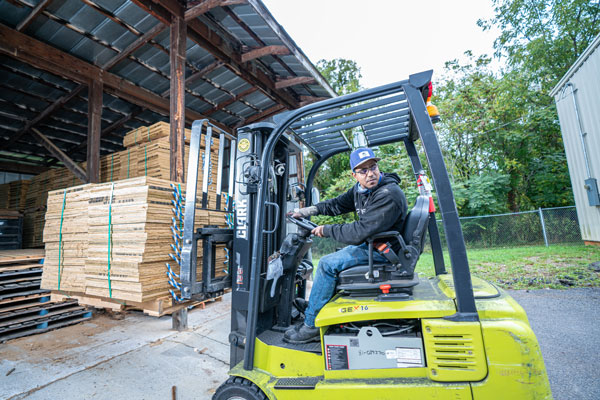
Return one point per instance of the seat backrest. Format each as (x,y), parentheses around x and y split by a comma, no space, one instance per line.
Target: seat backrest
(415,225)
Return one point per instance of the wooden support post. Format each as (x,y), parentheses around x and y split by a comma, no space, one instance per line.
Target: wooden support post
(179,319)
(94,126)
(177,97)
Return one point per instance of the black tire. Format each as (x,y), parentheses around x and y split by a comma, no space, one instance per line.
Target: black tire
(239,389)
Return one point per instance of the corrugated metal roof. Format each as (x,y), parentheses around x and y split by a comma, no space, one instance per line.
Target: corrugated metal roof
(97,31)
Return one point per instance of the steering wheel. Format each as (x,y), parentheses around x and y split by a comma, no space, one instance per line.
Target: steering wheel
(302,223)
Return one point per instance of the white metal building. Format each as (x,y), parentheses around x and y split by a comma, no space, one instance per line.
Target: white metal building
(577,98)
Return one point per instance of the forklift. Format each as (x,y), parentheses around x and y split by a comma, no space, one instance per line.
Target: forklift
(387,333)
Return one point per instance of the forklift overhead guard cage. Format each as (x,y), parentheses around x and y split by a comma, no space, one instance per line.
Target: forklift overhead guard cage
(386,114)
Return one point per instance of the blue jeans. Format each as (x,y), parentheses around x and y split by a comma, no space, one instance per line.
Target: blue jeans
(326,277)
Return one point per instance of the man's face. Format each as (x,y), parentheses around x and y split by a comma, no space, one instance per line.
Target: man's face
(367,174)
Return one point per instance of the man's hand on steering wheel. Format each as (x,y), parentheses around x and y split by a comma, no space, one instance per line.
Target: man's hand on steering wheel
(318,231)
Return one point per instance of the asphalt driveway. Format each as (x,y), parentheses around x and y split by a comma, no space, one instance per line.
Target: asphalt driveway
(567,325)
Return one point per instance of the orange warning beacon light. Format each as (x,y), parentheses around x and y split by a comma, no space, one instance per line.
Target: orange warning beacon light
(434,114)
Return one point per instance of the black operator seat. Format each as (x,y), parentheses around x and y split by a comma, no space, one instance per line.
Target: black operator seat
(400,273)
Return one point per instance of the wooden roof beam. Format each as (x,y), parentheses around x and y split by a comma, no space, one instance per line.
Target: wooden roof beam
(160,10)
(265,51)
(208,5)
(297,80)
(224,52)
(19,168)
(224,104)
(304,100)
(48,58)
(105,132)
(199,74)
(34,13)
(152,33)
(58,153)
(265,114)
(139,42)
(41,116)
(212,42)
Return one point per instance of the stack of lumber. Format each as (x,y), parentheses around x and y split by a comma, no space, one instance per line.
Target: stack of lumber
(150,133)
(35,204)
(127,241)
(25,309)
(62,178)
(33,228)
(147,154)
(4,195)
(140,238)
(13,195)
(37,194)
(66,239)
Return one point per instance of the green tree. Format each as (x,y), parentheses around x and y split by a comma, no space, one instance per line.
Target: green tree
(499,125)
(343,75)
(499,130)
(543,37)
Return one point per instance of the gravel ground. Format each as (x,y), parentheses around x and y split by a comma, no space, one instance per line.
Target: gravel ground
(567,325)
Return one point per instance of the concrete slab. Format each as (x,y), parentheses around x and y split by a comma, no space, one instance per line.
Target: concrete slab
(139,357)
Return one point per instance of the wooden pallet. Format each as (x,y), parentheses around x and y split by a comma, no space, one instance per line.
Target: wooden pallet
(21,256)
(41,319)
(22,302)
(154,308)
(20,275)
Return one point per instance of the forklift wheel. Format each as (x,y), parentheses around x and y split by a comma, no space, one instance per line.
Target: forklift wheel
(236,388)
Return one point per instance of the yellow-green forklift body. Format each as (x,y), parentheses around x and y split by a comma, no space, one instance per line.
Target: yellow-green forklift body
(497,357)
(387,333)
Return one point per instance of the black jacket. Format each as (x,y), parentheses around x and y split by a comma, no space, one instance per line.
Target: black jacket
(380,209)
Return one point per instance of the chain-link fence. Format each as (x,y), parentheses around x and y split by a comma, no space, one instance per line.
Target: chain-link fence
(545,226)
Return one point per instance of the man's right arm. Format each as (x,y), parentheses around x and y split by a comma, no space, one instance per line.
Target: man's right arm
(340,205)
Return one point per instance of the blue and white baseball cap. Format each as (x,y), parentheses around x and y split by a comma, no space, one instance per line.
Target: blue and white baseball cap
(361,155)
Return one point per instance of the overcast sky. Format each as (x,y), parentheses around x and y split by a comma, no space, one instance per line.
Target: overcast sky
(389,39)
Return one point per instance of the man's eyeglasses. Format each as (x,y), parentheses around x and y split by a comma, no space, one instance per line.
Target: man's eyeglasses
(364,171)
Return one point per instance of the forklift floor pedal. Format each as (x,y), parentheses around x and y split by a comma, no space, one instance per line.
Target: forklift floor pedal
(309,382)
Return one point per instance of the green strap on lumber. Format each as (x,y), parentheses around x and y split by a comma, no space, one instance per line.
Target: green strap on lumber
(110,237)
(149,135)
(62,213)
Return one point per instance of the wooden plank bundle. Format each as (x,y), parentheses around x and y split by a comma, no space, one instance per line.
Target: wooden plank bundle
(37,195)
(33,228)
(116,238)
(147,154)
(66,239)
(150,133)
(13,195)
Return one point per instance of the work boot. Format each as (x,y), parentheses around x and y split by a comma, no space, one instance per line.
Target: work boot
(300,304)
(302,334)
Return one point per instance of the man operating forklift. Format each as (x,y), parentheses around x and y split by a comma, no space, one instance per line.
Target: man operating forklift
(380,205)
